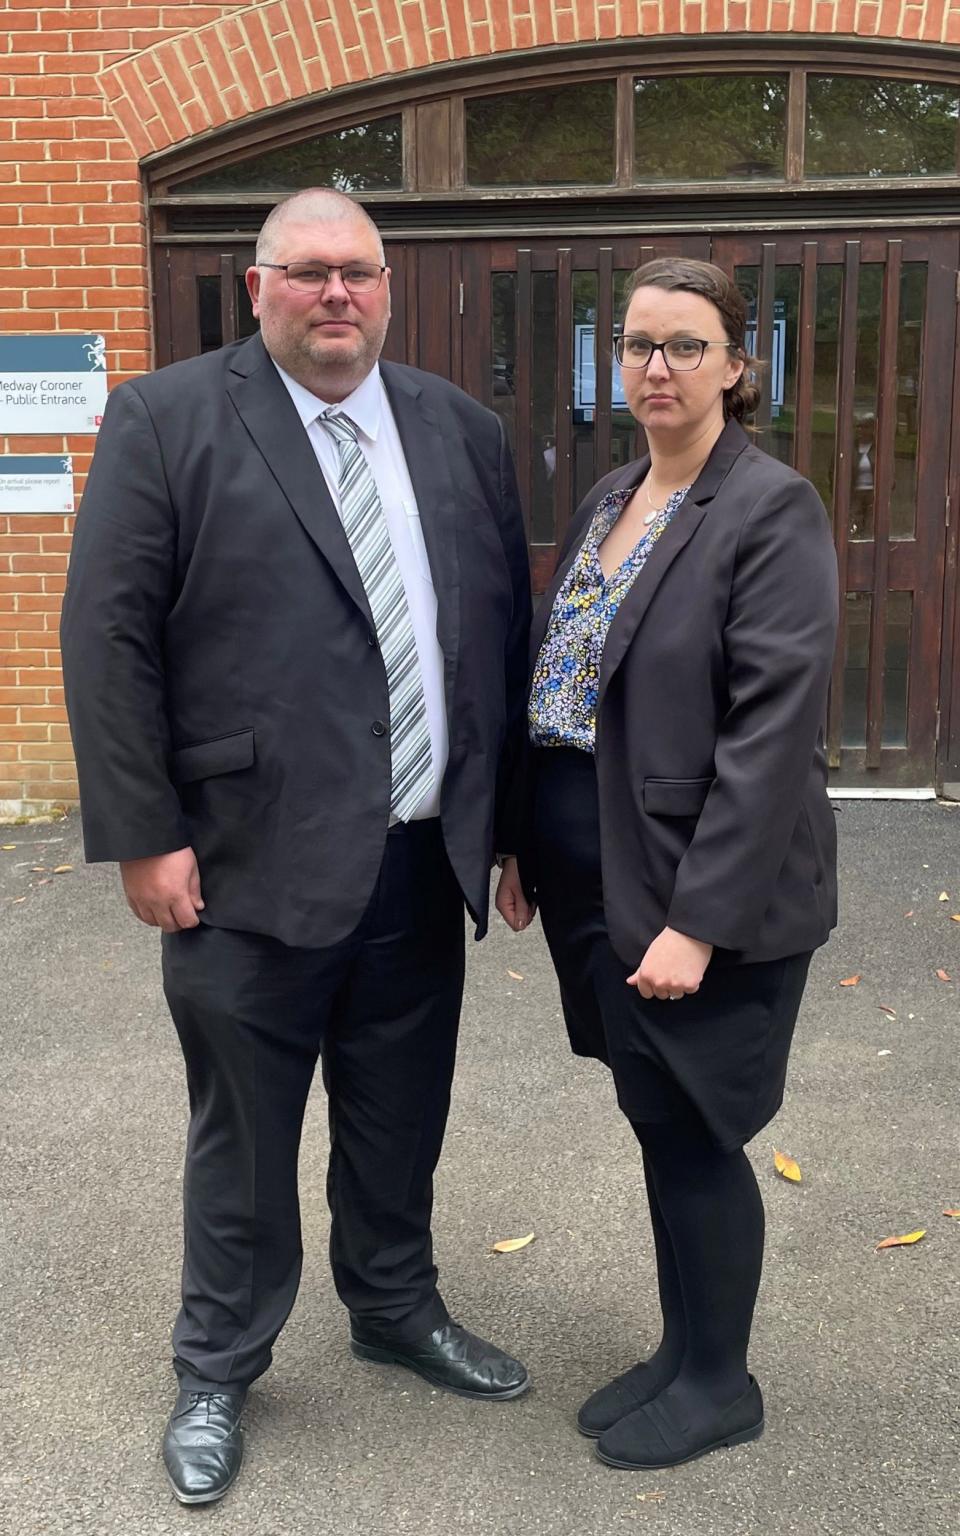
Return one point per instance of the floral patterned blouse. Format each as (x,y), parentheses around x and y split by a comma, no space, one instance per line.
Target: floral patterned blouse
(563,698)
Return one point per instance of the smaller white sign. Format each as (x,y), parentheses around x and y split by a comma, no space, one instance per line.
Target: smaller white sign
(35,482)
(52,383)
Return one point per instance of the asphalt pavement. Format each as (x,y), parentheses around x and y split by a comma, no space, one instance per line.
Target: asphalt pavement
(856,1350)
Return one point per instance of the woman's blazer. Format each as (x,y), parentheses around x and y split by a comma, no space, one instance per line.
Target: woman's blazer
(714,817)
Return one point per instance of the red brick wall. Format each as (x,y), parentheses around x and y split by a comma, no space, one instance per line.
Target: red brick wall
(86,90)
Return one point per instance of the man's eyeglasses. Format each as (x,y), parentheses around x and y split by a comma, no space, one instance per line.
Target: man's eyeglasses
(311,276)
(681,355)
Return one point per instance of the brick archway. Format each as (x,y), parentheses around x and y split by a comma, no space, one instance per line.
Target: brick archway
(285,50)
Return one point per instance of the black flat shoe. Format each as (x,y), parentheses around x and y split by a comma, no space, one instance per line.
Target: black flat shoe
(450,1358)
(659,1434)
(203,1445)
(614,1401)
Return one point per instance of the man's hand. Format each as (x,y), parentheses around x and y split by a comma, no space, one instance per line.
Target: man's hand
(516,911)
(164,891)
(672,966)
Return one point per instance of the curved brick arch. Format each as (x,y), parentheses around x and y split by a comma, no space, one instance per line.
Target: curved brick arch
(285,50)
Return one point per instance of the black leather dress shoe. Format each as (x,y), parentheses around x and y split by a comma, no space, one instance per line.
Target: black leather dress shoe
(451,1358)
(663,1434)
(203,1445)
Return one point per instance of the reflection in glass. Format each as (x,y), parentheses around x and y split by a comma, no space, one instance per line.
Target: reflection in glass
(209,319)
(710,127)
(826,358)
(903,500)
(585,286)
(504,325)
(367,157)
(854,730)
(780,374)
(866,394)
(543,415)
(858,125)
(623,428)
(247,325)
(896,668)
(554,136)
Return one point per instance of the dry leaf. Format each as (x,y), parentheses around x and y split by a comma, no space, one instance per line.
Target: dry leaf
(952,1213)
(7,846)
(909,914)
(38,869)
(511,1244)
(902,1242)
(63,869)
(943,896)
(955,917)
(17,900)
(787,1167)
(944,975)
(884,1053)
(884,1008)
(851,981)
(515,974)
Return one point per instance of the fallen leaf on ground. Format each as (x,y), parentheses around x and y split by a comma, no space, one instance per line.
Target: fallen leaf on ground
(38,869)
(902,1242)
(955,917)
(511,1244)
(909,914)
(952,1213)
(944,975)
(885,1008)
(17,900)
(787,1166)
(943,896)
(515,974)
(63,869)
(7,846)
(851,981)
(884,1053)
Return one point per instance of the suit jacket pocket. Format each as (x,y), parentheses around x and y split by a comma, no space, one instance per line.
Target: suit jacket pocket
(675,797)
(204,759)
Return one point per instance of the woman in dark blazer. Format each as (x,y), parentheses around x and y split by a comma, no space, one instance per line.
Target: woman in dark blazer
(679,841)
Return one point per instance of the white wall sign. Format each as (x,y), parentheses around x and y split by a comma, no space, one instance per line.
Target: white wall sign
(35,482)
(52,383)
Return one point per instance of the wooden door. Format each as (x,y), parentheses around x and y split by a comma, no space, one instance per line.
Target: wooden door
(858,397)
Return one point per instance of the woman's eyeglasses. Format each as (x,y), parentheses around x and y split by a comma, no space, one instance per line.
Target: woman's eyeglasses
(681,355)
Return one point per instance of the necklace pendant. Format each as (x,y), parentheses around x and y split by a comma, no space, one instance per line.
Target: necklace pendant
(651,517)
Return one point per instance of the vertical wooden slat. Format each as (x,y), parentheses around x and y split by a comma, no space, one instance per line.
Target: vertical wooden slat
(228,297)
(803,440)
(846,368)
(604,361)
(161,297)
(626,138)
(796,124)
(562,508)
(476,324)
(765,297)
(524,378)
(184,310)
(883,487)
(456,326)
(412,306)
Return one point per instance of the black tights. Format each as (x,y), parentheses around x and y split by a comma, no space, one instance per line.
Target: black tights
(708,1229)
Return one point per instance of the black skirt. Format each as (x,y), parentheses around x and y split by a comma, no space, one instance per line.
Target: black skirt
(719,1054)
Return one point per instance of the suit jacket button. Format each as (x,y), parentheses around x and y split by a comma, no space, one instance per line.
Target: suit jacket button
(378,728)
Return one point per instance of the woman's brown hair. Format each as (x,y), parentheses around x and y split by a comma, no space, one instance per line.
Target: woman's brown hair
(680,274)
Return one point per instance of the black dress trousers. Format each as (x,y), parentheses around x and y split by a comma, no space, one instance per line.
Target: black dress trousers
(718,1056)
(381,1010)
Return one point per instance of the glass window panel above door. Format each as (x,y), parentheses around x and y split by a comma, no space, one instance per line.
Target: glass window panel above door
(367,157)
(861,126)
(710,127)
(562,136)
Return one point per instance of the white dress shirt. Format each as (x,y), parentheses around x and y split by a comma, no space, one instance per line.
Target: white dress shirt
(369,410)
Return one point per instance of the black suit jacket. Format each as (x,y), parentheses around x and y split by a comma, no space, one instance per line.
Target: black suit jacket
(714,816)
(222,673)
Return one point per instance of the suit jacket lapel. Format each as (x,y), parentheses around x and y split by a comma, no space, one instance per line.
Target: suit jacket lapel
(678,533)
(429,469)
(268,413)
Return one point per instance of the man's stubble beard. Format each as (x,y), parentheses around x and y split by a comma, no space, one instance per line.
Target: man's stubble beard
(302,358)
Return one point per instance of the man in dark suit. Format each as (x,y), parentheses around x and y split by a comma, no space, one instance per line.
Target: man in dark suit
(294,644)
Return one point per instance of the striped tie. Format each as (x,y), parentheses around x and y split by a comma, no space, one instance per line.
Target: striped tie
(361,512)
